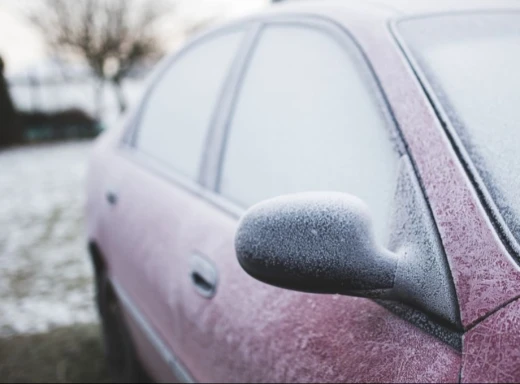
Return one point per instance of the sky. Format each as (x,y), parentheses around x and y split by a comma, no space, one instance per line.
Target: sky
(22,46)
(20,43)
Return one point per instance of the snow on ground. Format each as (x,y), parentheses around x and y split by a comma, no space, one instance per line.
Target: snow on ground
(45,275)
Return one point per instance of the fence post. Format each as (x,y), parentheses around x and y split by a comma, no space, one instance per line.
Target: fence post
(35,94)
(98,98)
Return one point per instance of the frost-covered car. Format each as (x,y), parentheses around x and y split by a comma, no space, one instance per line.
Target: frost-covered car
(371,154)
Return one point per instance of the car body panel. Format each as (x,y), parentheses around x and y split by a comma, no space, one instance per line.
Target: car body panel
(149,353)
(491,353)
(253,332)
(413,7)
(485,275)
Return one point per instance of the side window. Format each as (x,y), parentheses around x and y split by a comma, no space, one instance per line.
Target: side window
(308,117)
(179,110)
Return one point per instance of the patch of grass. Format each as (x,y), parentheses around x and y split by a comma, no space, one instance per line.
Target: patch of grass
(77,283)
(20,282)
(72,354)
(51,224)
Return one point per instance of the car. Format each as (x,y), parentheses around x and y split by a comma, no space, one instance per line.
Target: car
(322,192)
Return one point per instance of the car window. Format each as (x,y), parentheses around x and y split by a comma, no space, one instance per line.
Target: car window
(308,117)
(472,63)
(179,110)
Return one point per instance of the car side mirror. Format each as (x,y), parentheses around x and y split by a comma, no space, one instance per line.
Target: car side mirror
(318,242)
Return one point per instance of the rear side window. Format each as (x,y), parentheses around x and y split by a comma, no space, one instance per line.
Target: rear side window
(178,112)
(308,117)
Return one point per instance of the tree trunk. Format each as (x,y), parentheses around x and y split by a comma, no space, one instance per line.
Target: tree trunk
(10,131)
(121,99)
(99,99)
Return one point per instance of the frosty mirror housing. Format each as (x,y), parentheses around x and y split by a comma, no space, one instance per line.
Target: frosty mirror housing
(317,242)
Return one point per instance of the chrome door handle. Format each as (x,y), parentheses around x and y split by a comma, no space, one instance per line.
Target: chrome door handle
(204,275)
(111,197)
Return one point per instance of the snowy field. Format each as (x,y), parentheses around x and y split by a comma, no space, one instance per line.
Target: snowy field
(45,274)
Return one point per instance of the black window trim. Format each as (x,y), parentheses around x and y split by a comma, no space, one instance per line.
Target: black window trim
(493,213)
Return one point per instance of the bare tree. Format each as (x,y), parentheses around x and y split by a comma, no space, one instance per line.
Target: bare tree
(112,36)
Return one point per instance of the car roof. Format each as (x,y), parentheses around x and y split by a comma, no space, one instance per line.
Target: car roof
(414,7)
(396,8)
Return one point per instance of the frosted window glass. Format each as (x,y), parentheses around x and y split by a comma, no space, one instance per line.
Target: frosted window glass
(178,113)
(473,65)
(307,120)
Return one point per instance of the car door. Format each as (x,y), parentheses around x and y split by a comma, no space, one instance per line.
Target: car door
(308,115)
(154,187)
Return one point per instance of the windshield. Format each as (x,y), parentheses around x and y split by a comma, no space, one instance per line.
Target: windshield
(472,64)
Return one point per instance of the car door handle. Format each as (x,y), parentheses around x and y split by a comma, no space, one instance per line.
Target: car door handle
(111,197)
(204,275)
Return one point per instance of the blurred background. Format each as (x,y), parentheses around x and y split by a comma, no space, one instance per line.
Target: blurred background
(68,71)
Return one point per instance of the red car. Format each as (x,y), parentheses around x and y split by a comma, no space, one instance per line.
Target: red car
(371,152)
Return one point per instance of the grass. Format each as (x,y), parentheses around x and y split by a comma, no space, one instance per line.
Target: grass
(65,355)
(44,261)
